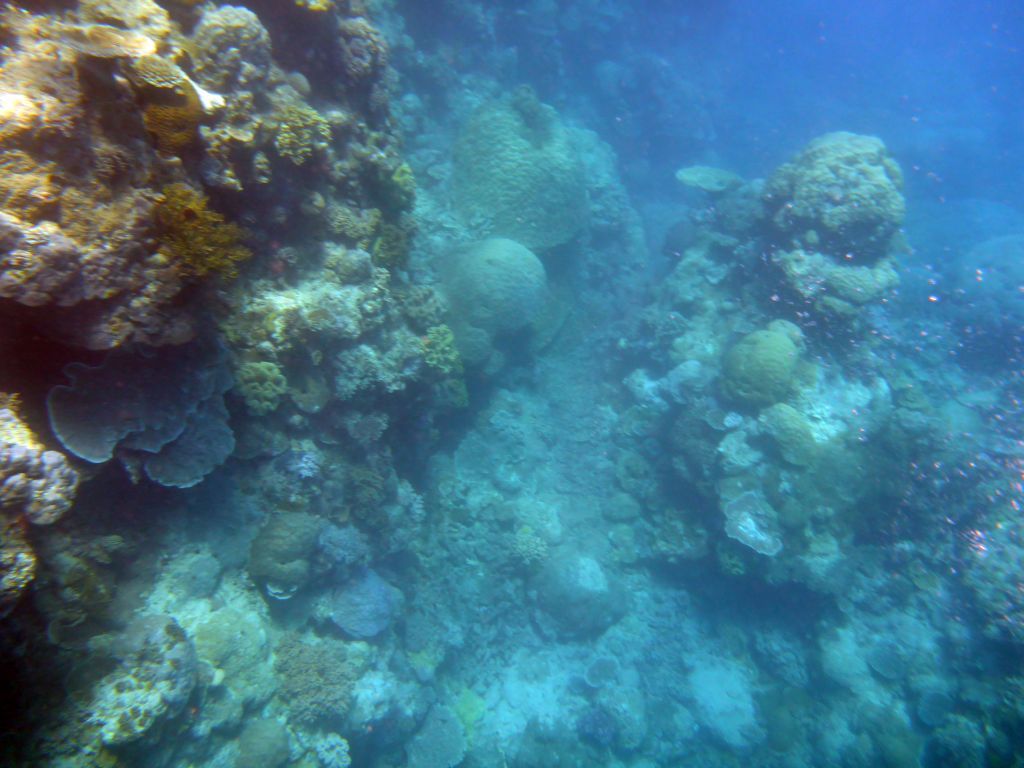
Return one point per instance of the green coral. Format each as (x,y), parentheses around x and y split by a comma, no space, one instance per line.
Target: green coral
(301,132)
(262,385)
(440,351)
(759,369)
(197,239)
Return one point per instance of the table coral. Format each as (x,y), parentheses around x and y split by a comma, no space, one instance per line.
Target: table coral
(161,407)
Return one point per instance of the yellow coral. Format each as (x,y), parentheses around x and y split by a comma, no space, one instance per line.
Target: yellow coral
(315,5)
(198,239)
(301,131)
(171,106)
(12,428)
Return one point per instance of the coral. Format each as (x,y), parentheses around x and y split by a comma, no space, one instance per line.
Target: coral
(714,181)
(364,54)
(494,287)
(17,563)
(750,520)
(172,107)
(263,743)
(198,240)
(723,695)
(365,606)
(517,174)
(301,132)
(40,484)
(166,403)
(234,642)
(332,751)
(391,248)
(440,741)
(262,385)
(356,226)
(580,596)
(154,678)
(283,551)
(316,678)
(791,433)
(232,50)
(401,188)
(342,547)
(846,189)
(759,369)
(528,547)
(440,351)
(79,247)
(387,366)
(104,41)
(202,446)
(836,288)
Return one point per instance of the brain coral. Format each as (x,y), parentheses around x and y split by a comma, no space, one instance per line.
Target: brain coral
(759,368)
(845,189)
(496,285)
(517,173)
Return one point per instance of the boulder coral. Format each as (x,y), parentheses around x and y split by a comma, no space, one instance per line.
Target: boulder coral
(495,287)
(842,193)
(759,369)
(518,174)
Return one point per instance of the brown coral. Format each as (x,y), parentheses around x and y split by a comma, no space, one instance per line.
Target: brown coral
(198,239)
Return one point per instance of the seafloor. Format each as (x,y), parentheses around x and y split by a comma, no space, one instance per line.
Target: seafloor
(404,383)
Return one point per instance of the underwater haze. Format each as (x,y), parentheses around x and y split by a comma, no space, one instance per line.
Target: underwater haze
(520,384)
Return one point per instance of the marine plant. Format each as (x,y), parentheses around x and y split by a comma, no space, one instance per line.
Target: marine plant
(199,240)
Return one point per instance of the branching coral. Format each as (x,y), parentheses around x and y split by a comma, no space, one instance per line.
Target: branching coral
(198,239)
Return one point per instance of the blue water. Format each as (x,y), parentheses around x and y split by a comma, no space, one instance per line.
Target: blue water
(603,384)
